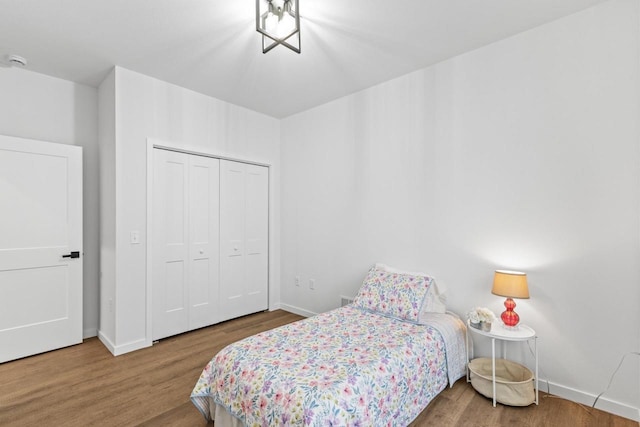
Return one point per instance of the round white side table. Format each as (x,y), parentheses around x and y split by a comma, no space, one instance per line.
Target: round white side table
(500,332)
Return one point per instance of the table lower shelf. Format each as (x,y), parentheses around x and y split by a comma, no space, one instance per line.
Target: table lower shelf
(513,382)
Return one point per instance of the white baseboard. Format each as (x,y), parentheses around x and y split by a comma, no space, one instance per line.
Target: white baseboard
(89,333)
(117,350)
(106,342)
(604,404)
(297,310)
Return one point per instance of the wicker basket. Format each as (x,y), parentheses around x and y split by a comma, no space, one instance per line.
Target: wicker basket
(514,382)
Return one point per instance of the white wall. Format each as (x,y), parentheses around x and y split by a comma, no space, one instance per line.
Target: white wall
(149,108)
(45,108)
(107,137)
(524,154)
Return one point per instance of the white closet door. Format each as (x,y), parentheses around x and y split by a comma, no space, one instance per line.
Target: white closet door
(170,244)
(243,238)
(257,237)
(186,254)
(204,240)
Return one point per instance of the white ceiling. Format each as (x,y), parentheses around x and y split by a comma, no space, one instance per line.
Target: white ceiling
(211,46)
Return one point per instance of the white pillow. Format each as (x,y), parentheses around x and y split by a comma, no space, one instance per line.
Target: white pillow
(436,300)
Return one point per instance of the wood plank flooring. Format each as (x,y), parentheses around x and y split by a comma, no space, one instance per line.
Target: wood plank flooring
(85,385)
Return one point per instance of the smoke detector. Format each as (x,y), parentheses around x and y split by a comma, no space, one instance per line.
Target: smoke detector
(16,60)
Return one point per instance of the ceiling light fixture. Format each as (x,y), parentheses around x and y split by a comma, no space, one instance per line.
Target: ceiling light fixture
(278,21)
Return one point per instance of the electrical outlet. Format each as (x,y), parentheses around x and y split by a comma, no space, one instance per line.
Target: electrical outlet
(345,300)
(312,284)
(297,281)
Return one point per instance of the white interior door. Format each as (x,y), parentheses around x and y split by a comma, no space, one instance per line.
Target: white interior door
(243,238)
(40,229)
(185,242)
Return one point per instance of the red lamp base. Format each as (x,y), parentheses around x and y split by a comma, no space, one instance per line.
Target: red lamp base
(510,317)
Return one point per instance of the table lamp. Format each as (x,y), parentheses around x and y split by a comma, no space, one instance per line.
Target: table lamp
(510,284)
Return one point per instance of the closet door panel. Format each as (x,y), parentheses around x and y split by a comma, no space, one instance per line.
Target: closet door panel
(232,269)
(232,200)
(244,238)
(170,245)
(199,292)
(204,207)
(257,236)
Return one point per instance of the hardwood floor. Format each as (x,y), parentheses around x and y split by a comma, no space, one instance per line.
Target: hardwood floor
(85,385)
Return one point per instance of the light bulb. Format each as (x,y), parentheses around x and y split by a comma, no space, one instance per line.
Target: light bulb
(271,23)
(286,25)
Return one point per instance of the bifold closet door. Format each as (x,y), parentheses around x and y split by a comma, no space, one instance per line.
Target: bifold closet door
(244,235)
(185,243)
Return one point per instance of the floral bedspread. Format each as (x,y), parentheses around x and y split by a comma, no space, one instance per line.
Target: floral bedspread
(346,367)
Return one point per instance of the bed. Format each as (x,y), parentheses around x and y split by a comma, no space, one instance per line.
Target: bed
(377,361)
